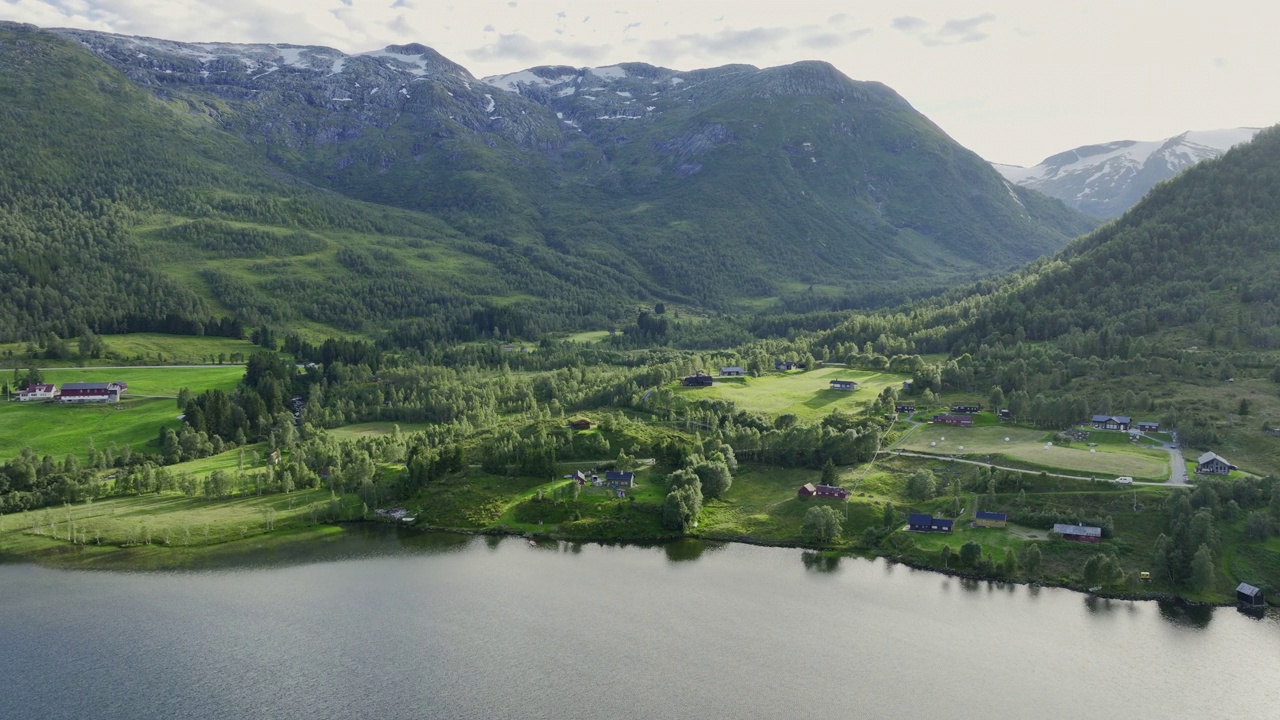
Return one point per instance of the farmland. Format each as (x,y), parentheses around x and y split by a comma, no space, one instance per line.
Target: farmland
(1031,447)
(807,395)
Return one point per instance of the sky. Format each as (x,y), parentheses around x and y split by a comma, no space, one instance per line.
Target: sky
(1014,80)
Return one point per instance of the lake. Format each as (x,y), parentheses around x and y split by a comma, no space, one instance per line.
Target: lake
(393,625)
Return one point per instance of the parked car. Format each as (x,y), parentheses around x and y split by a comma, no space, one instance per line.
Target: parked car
(1124,480)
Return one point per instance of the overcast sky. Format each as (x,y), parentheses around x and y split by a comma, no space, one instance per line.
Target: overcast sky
(1014,80)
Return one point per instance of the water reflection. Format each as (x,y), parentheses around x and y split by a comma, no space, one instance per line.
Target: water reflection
(1188,616)
(688,549)
(820,562)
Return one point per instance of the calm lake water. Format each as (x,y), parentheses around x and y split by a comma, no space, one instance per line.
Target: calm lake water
(459,627)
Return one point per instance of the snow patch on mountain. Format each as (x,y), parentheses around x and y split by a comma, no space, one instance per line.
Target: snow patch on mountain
(1107,179)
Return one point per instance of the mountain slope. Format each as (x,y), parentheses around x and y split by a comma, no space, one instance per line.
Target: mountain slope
(1197,261)
(713,186)
(1105,180)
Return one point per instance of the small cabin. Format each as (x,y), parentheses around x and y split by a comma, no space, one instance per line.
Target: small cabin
(904,408)
(1078,533)
(831,491)
(733,371)
(807,490)
(1248,595)
(1148,427)
(906,386)
(1004,415)
(1111,422)
(581,425)
(699,380)
(1213,464)
(847,385)
(618,479)
(966,409)
(991,519)
(923,522)
(958,420)
(580,477)
(785,365)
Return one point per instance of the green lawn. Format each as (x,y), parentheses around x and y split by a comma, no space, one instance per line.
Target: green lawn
(164,381)
(374,429)
(1028,446)
(806,394)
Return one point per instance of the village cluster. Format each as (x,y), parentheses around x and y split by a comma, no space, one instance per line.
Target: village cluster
(103,392)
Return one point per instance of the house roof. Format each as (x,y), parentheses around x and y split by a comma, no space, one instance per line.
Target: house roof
(39,388)
(1148,422)
(1118,418)
(731,368)
(919,519)
(808,487)
(944,522)
(89,386)
(1083,530)
(1248,589)
(843,382)
(992,516)
(1207,457)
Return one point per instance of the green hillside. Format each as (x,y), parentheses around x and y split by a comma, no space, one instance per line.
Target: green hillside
(394,195)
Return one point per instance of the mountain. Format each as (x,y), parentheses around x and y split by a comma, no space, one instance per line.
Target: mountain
(394,192)
(1105,180)
(1195,263)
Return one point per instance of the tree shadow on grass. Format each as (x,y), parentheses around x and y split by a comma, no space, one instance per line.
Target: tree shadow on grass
(823,398)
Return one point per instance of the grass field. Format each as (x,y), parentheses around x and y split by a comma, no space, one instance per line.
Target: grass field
(1028,446)
(142,349)
(165,520)
(56,429)
(805,394)
(374,429)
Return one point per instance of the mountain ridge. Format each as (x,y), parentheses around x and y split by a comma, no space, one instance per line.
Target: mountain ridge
(1106,179)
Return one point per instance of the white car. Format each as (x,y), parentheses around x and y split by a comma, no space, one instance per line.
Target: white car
(1124,480)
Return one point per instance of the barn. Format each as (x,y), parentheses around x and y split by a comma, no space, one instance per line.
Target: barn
(1248,595)
(807,490)
(1078,533)
(107,392)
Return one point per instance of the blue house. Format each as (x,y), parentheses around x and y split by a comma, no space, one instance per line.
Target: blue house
(620,479)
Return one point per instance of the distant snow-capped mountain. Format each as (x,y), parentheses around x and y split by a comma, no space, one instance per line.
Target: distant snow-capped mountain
(1105,180)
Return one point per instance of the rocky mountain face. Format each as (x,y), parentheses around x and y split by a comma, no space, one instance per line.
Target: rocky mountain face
(791,187)
(1106,180)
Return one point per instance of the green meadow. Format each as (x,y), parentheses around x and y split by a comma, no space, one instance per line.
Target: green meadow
(805,394)
(58,430)
(1029,446)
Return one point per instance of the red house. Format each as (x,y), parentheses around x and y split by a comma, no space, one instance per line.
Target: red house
(823,491)
(960,420)
(107,392)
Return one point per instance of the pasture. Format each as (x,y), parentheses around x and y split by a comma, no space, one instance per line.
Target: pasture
(58,430)
(140,349)
(1028,446)
(806,394)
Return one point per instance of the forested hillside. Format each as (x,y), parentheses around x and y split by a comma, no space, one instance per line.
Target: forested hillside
(394,193)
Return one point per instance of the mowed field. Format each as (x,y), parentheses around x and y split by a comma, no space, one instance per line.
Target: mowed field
(1028,446)
(807,394)
(145,349)
(56,429)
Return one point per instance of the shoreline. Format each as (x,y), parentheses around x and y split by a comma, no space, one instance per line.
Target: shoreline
(260,550)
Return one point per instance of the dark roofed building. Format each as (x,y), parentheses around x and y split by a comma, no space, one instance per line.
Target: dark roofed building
(698,380)
(807,490)
(922,522)
(1212,464)
(844,385)
(991,519)
(1149,426)
(966,409)
(1078,533)
(615,479)
(733,371)
(1111,422)
(831,491)
(960,420)
(1248,595)
(91,392)
(904,408)
(581,424)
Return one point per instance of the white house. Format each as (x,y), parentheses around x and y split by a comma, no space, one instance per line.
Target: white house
(37,392)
